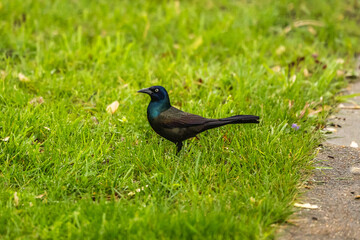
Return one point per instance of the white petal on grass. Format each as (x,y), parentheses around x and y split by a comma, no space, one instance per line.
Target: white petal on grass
(354,144)
(5,139)
(306,205)
(112,107)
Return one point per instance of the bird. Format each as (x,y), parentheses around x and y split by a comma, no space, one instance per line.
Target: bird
(176,125)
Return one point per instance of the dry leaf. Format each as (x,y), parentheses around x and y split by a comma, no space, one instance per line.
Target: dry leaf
(276,69)
(41,195)
(306,73)
(318,110)
(302,113)
(16,199)
(342,106)
(354,144)
(340,61)
(23,78)
(330,129)
(280,50)
(3,74)
(312,30)
(340,73)
(355,170)
(177,7)
(306,205)
(112,107)
(37,100)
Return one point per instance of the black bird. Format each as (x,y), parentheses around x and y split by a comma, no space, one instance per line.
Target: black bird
(176,125)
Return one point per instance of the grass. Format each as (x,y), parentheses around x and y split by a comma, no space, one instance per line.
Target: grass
(62,175)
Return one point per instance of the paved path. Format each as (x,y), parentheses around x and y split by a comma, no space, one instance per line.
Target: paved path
(334,189)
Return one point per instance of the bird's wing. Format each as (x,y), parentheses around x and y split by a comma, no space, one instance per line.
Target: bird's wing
(175,118)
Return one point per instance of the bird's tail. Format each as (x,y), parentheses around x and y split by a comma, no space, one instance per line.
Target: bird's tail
(232,120)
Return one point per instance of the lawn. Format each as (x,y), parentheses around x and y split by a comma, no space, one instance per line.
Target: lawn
(70,169)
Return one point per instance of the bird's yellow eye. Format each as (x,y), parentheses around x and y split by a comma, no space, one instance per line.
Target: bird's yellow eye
(156,90)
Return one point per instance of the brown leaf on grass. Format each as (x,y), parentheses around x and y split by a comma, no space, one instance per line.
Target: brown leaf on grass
(291,103)
(312,30)
(303,111)
(340,73)
(302,23)
(306,73)
(41,195)
(313,112)
(37,101)
(112,107)
(23,78)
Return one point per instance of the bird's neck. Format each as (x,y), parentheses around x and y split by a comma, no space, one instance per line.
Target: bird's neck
(157,107)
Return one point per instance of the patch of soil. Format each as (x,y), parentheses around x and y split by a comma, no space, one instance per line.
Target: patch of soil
(334,189)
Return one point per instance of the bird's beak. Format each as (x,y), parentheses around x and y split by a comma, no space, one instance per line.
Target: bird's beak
(145,90)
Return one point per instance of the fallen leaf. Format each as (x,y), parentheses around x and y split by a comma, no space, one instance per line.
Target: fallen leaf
(302,113)
(3,74)
(36,101)
(276,69)
(112,107)
(339,61)
(340,73)
(319,110)
(306,205)
(330,129)
(16,199)
(41,195)
(23,78)
(306,73)
(280,50)
(312,30)
(354,144)
(355,170)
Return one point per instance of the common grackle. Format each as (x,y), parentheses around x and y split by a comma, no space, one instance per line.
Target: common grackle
(176,125)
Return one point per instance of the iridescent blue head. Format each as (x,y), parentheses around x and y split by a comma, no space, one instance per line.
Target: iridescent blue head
(159,100)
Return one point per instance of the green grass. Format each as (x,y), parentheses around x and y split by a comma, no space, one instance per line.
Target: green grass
(118,179)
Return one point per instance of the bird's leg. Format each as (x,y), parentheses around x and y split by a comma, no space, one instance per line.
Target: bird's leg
(179,146)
